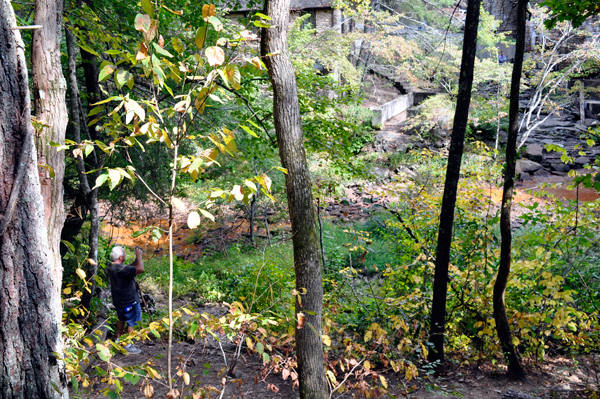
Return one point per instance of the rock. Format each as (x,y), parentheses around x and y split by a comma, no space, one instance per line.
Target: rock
(387,141)
(534,152)
(527,166)
(403,170)
(381,173)
(541,173)
(581,161)
(375,199)
(525,176)
(560,167)
(513,394)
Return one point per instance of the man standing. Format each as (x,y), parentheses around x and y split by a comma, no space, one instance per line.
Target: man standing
(124,291)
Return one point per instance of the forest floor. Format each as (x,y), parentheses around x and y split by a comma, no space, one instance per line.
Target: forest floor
(557,377)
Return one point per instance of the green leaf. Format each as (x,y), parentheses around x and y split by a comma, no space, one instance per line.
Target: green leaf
(207,214)
(69,245)
(261,24)
(103,352)
(100,180)
(216,23)
(108,100)
(148,7)
(140,232)
(114,177)
(105,73)
(263,16)
(201,36)
(88,49)
(121,78)
(88,149)
(156,234)
(249,131)
(162,51)
(96,110)
(74,383)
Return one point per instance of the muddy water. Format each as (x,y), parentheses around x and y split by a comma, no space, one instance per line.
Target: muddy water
(561,190)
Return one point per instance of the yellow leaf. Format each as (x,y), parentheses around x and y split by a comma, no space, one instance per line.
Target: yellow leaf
(368,336)
(331,377)
(367,364)
(209,10)
(67,291)
(80,273)
(326,340)
(186,378)
(193,220)
(383,381)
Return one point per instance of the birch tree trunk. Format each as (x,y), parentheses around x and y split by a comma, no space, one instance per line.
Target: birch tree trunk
(307,264)
(502,326)
(29,329)
(461,117)
(49,88)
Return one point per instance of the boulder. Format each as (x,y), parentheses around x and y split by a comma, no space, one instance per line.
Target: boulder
(527,166)
(581,161)
(403,170)
(534,152)
(381,173)
(560,167)
(387,141)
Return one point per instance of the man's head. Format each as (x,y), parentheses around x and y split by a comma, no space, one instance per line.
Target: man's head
(118,254)
(502,53)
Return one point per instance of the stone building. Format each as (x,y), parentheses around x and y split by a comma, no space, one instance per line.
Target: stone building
(322,14)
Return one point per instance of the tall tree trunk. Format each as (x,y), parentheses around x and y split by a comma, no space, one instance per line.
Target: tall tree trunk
(90,73)
(502,326)
(461,116)
(29,330)
(307,265)
(49,88)
(90,196)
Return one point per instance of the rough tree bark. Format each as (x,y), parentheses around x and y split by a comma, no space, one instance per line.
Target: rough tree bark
(461,116)
(307,265)
(502,326)
(89,195)
(49,88)
(29,330)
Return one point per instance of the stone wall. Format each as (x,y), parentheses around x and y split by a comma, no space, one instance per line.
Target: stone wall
(390,109)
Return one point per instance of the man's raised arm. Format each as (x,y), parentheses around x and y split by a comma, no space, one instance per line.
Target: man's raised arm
(138,262)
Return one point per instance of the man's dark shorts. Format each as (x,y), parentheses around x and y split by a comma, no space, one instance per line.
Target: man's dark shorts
(131,314)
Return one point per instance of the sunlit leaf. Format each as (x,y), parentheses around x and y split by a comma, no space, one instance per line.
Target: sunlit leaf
(215,55)
(142,23)
(193,220)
